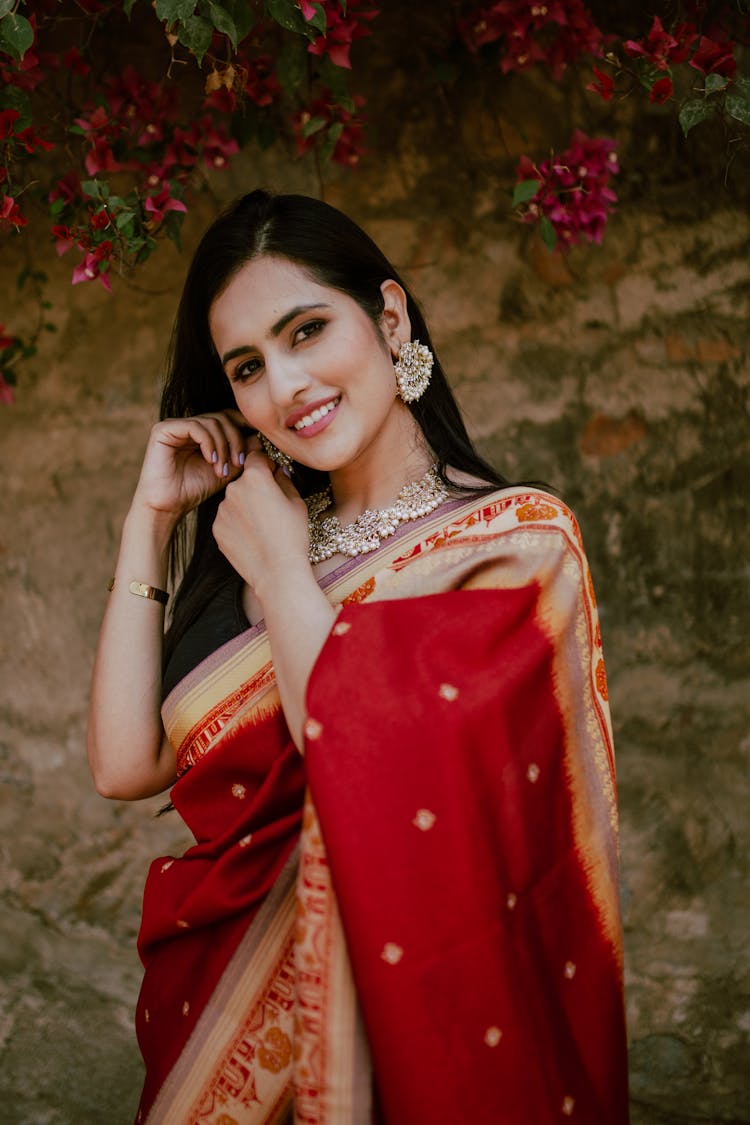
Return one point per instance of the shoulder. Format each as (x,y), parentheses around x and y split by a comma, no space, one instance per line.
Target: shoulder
(515,509)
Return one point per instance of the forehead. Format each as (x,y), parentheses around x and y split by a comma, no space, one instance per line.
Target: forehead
(264,290)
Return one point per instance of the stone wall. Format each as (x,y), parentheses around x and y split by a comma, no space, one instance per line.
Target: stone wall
(620,377)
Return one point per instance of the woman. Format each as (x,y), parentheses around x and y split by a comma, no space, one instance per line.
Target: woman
(383,700)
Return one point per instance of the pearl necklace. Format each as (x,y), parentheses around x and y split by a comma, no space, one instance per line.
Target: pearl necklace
(366,533)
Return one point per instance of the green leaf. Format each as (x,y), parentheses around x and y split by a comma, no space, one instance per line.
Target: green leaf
(123,219)
(223,22)
(314,125)
(737,105)
(16,34)
(13,98)
(329,144)
(49,327)
(524,191)
(195,33)
(23,277)
(288,15)
(242,15)
(56,206)
(5,7)
(291,65)
(716,82)
(695,111)
(127,6)
(318,20)
(97,189)
(174,11)
(547,231)
(79,132)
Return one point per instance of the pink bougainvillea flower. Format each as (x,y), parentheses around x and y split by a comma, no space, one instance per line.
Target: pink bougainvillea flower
(11,214)
(348,149)
(341,31)
(308,9)
(661,91)
(713,57)
(67,188)
(8,119)
(182,149)
(89,270)
(75,63)
(555,33)
(100,219)
(686,35)
(64,239)
(100,158)
(5,341)
(158,206)
(574,193)
(656,48)
(31,141)
(214,142)
(261,84)
(97,122)
(603,84)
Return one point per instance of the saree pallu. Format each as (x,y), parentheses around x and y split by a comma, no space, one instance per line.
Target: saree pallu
(430,931)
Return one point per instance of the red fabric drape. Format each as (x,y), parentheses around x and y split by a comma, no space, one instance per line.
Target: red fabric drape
(442,773)
(196,908)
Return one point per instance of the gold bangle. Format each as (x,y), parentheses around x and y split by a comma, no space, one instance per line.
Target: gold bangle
(143,590)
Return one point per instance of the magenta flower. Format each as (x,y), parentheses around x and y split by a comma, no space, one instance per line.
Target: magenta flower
(11,214)
(574,196)
(8,119)
(656,49)
(64,239)
(158,206)
(662,90)
(89,269)
(603,84)
(341,31)
(714,58)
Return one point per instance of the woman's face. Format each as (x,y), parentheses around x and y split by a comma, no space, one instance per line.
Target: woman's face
(307,366)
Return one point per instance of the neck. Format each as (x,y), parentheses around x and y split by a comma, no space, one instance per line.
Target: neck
(375,479)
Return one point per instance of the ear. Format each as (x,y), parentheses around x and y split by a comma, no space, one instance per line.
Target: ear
(394,319)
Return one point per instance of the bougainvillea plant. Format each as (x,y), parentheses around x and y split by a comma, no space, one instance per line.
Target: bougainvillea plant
(113,156)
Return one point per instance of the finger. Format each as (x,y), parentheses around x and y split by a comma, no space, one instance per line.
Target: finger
(236,433)
(180,433)
(284,481)
(221,454)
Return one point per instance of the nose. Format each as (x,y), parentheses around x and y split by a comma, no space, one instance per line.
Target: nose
(287,379)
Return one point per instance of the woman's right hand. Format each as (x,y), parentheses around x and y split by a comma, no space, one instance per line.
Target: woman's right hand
(189,459)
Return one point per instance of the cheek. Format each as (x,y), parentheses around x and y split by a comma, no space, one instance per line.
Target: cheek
(250,402)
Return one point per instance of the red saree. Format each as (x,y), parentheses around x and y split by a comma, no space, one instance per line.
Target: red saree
(461,802)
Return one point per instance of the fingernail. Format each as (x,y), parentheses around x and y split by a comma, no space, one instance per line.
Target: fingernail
(225,470)
(286,471)
(214,457)
(242,458)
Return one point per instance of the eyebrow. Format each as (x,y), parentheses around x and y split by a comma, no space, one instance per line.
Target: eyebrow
(276,329)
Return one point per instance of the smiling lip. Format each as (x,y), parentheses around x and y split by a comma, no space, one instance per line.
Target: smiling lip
(318,424)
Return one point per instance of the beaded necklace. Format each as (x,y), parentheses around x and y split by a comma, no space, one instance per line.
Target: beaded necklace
(366,533)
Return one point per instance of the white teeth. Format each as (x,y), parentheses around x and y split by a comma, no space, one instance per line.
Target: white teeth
(315,416)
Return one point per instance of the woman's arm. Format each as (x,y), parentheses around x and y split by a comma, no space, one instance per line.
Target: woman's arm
(184,464)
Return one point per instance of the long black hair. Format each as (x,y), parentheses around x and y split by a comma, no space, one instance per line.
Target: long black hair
(336,253)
